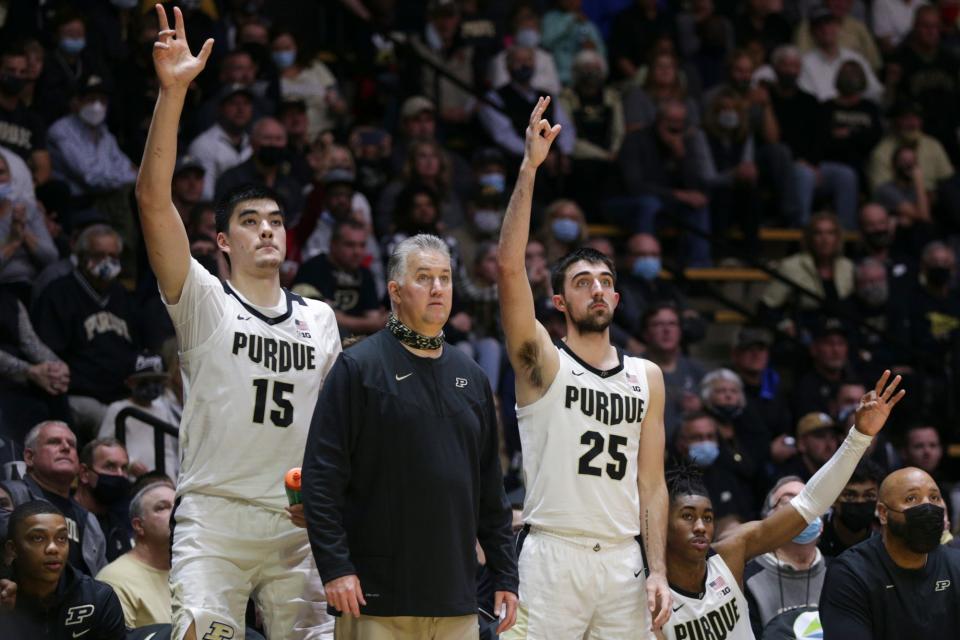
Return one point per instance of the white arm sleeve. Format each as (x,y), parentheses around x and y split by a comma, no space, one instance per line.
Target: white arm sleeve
(826,484)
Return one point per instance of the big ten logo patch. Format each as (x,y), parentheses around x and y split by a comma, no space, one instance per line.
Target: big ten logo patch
(76,615)
(219,631)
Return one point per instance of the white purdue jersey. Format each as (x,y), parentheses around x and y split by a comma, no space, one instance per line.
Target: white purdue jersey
(251,376)
(719,611)
(580,442)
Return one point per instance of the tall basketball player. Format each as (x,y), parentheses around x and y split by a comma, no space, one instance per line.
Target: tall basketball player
(591,430)
(253,357)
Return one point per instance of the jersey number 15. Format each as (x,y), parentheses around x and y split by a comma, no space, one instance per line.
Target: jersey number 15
(282,416)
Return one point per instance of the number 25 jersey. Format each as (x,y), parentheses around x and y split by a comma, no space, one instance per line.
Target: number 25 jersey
(251,376)
(580,442)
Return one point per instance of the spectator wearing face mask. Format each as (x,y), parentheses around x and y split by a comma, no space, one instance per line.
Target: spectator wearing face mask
(84,152)
(103,490)
(907,558)
(741,430)
(65,66)
(526,33)
(147,388)
(22,130)
(905,194)
(851,520)
(564,228)
(597,112)
(935,307)
(787,580)
(881,344)
(312,82)
(881,240)
(88,319)
(698,442)
(268,166)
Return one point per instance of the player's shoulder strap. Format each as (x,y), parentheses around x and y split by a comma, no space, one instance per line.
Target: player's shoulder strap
(291,298)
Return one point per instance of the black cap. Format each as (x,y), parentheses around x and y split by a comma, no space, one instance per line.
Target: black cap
(338,176)
(187,162)
(149,366)
(93,83)
(821,15)
(228,91)
(752,336)
(827,326)
(80,219)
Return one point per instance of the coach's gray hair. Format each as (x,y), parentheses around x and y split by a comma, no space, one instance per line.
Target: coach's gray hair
(725,375)
(95,231)
(422,242)
(783,52)
(767,507)
(30,442)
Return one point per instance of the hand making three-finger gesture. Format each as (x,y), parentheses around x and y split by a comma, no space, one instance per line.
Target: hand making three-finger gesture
(540,135)
(176,66)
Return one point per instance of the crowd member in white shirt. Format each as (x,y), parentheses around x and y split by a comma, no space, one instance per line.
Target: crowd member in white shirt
(892,21)
(147,386)
(227,143)
(820,64)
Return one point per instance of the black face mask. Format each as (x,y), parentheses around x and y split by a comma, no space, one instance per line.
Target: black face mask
(147,391)
(877,239)
(857,516)
(938,276)
(726,414)
(521,74)
(11,85)
(270,156)
(922,528)
(787,81)
(111,489)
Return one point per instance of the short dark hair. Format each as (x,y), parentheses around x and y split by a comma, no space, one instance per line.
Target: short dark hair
(656,308)
(685,480)
(349,223)
(228,203)
(86,454)
(867,471)
(151,478)
(26,510)
(592,256)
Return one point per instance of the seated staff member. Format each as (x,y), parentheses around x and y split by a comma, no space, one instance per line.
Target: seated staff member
(706,579)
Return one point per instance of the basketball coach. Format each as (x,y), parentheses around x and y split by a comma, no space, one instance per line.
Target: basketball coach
(401,475)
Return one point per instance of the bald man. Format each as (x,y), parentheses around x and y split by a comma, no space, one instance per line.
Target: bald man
(901,584)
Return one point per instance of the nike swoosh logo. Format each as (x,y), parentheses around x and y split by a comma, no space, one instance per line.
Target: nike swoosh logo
(636,574)
(578,374)
(399,377)
(78,634)
(240,317)
(678,607)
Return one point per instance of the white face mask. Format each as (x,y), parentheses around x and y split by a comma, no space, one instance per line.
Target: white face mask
(487,220)
(93,113)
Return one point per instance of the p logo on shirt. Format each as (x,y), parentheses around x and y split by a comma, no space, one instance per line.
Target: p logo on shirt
(219,631)
(76,615)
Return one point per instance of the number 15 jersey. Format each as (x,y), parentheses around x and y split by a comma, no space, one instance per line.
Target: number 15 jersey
(580,442)
(251,376)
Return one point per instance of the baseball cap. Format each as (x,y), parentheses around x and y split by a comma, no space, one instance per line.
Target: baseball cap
(92,83)
(750,336)
(186,162)
(230,90)
(338,176)
(815,421)
(821,15)
(416,105)
(148,366)
(829,325)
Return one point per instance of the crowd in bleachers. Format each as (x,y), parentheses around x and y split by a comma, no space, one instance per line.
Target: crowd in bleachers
(687,127)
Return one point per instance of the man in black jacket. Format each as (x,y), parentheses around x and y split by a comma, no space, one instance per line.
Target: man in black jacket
(53,599)
(903,583)
(401,475)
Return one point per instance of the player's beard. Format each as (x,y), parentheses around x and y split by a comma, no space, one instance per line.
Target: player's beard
(592,322)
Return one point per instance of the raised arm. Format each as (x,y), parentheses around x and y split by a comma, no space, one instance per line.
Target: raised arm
(762,536)
(528,345)
(654,500)
(163,231)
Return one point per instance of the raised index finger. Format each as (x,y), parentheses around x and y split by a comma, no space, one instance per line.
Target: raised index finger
(162,18)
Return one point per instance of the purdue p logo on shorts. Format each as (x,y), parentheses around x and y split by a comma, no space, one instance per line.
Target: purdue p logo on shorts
(219,631)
